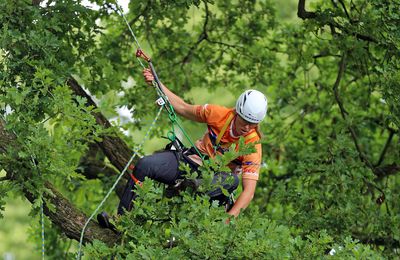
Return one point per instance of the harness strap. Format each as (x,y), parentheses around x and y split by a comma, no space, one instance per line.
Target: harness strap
(222,132)
(250,136)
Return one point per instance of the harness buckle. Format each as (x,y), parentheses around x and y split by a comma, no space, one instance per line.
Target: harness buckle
(160,101)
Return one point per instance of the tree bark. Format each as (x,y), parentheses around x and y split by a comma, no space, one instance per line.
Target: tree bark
(116,150)
(71,220)
(302,13)
(66,215)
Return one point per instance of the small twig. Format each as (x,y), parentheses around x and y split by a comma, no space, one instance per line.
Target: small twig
(342,66)
(323,55)
(303,14)
(334,4)
(5,178)
(203,36)
(345,10)
(387,144)
(387,170)
(344,113)
(241,48)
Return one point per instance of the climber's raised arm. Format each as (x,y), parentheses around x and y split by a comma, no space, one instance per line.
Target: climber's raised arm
(181,107)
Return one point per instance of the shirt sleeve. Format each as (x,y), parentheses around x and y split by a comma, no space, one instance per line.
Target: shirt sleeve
(210,114)
(251,164)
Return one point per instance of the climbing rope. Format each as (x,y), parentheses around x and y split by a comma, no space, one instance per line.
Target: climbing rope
(116,182)
(41,210)
(157,84)
(131,31)
(162,101)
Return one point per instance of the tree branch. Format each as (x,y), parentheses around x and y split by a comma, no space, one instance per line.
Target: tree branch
(387,144)
(36,2)
(71,220)
(5,178)
(113,147)
(116,150)
(345,10)
(324,54)
(378,241)
(92,164)
(91,169)
(66,215)
(387,170)
(203,36)
(344,113)
(302,13)
(379,172)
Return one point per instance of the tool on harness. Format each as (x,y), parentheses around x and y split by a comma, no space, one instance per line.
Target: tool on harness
(131,168)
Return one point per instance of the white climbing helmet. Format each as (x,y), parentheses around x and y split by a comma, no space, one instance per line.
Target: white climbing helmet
(252,106)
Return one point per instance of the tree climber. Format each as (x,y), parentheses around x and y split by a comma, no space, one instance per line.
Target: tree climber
(243,120)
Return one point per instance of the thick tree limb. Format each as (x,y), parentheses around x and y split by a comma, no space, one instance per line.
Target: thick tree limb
(71,220)
(66,215)
(116,150)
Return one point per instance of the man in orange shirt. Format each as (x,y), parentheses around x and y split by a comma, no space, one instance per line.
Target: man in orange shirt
(225,126)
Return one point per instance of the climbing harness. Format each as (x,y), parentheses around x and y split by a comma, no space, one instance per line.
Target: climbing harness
(34,164)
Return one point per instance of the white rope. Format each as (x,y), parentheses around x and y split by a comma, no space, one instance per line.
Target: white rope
(115,183)
(131,31)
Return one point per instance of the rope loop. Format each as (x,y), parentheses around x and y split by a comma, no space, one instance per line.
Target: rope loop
(171,136)
(172,116)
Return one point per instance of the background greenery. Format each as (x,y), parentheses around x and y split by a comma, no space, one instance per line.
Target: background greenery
(331,139)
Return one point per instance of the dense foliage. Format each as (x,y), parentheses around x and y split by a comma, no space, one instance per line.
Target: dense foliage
(331,153)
